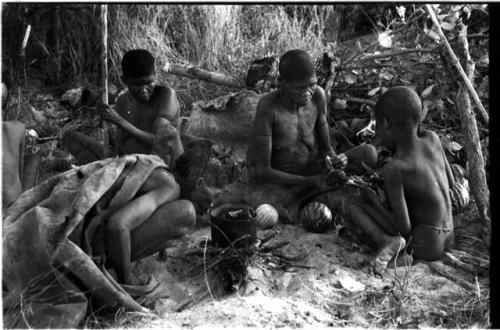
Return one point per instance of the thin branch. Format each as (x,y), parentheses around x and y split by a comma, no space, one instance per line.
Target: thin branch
(456,63)
(399,53)
(368,66)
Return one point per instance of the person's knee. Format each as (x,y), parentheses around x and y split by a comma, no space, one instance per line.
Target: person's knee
(370,155)
(116,227)
(187,219)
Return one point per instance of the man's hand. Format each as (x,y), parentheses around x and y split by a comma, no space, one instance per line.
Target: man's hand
(369,195)
(319,181)
(109,114)
(336,161)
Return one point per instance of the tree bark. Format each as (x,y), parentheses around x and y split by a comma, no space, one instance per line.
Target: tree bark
(194,72)
(476,173)
(456,63)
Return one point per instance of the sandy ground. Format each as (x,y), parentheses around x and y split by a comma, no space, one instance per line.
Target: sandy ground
(330,287)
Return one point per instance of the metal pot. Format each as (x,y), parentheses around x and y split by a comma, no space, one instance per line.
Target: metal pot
(241,233)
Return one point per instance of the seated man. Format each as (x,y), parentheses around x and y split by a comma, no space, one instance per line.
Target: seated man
(147,113)
(148,120)
(417,182)
(290,142)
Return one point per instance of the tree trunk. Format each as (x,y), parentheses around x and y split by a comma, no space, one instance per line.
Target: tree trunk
(476,172)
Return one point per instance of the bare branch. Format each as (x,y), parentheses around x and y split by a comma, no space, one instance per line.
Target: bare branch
(456,63)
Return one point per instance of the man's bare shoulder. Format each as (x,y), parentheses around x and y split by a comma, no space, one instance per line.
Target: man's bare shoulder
(319,93)
(124,102)
(268,103)
(271,98)
(163,93)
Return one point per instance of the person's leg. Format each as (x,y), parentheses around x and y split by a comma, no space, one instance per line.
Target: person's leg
(387,246)
(428,243)
(170,221)
(158,189)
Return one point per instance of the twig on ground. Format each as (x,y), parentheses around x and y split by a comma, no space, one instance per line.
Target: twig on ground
(205,269)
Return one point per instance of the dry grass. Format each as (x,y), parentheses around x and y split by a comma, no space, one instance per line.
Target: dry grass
(64,44)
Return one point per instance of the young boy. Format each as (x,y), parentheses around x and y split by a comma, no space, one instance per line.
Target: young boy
(417,181)
(144,113)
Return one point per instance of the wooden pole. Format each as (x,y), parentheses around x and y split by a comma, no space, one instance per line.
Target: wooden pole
(456,63)
(104,72)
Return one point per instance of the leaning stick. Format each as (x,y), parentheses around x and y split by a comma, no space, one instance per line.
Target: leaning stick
(456,63)
(104,72)
(104,76)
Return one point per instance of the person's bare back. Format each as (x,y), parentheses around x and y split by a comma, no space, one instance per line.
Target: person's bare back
(425,177)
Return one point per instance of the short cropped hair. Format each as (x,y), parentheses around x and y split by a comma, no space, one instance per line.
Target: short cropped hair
(399,105)
(296,65)
(138,63)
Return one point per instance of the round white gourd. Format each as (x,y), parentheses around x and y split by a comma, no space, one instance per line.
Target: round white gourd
(315,217)
(266,216)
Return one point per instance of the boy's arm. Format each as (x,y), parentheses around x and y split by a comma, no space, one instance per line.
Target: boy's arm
(395,195)
(398,219)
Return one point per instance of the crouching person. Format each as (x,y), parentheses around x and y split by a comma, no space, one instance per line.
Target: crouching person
(147,223)
(417,181)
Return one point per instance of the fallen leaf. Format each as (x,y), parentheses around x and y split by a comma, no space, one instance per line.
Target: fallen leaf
(373,91)
(401,10)
(448,26)
(386,76)
(449,145)
(427,91)
(350,284)
(454,146)
(339,104)
(350,79)
(385,39)
(435,36)
(404,81)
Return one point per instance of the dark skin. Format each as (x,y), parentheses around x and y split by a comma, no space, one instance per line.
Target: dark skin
(141,112)
(286,125)
(417,179)
(144,224)
(417,182)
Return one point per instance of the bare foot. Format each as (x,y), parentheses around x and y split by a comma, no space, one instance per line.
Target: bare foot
(404,259)
(381,260)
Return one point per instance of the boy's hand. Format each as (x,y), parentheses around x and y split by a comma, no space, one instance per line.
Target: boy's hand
(336,161)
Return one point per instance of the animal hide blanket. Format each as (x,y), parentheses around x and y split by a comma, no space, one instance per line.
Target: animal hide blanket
(48,279)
